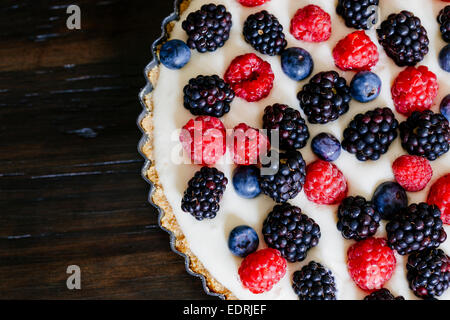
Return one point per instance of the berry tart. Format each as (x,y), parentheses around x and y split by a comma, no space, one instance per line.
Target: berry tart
(335,183)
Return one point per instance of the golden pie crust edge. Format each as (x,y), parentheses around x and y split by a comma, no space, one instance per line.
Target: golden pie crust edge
(167,219)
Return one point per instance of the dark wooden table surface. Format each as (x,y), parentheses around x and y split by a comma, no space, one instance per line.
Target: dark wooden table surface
(70,186)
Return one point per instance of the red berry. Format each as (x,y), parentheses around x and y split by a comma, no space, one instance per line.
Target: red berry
(250,77)
(311,24)
(414,89)
(204,139)
(371,263)
(355,52)
(412,172)
(261,270)
(440,195)
(248,144)
(252,3)
(325,183)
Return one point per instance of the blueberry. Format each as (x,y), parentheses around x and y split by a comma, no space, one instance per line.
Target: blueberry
(326,146)
(175,54)
(444,58)
(389,198)
(297,63)
(246,181)
(242,241)
(365,86)
(445,107)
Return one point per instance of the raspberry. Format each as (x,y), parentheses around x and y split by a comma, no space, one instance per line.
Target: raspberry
(355,52)
(414,89)
(204,139)
(440,196)
(371,263)
(325,183)
(248,144)
(412,172)
(250,77)
(252,3)
(311,24)
(261,270)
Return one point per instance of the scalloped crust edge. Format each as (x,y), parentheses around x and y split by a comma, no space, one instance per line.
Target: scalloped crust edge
(167,219)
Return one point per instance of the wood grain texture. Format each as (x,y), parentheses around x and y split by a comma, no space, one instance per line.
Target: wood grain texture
(70,185)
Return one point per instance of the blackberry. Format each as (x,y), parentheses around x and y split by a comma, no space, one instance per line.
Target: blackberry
(382,294)
(425,134)
(404,38)
(444,21)
(357,218)
(358,14)
(291,232)
(314,282)
(369,135)
(208,95)
(264,32)
(325,98)
(208,28)
(205,190)
(283,177)
(416,228)
(428,273)
(293,131)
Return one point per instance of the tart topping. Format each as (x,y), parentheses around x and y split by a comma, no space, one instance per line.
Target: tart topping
(425,134)
(326,146)
(261,270)
(250,77)
(355,52)
(204,139)
(404,38)
(314,282)
(246,181)
(208,28)
(412,172)
(325,183)
(243,240)
(311,24)
(358,14)
(325,98)
(208,95)
(428,273)
(370,135)
(389,198)
(291,232)
(205,190)
(292,129)
(440,196)
(444,21)
(174,54)
(382,295)
(414,89)
(248,144)
(286,177)
(264,33)
(365,86)
(371,263)
(358,218)
(415,229)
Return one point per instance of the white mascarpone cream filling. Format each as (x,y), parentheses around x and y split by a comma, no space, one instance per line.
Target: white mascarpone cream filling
(208,239)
